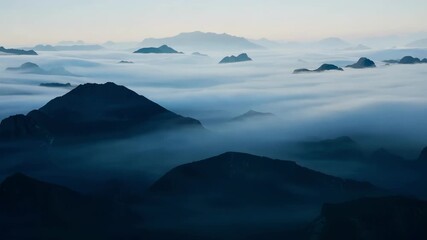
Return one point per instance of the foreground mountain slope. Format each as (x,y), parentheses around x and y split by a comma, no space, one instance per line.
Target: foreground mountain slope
(247,178)
(32,209)
(241,195)
(387,218)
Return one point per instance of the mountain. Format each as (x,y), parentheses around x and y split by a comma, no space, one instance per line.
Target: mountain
(32,68)
(240,195)
(359,47)
(252,115)
(322,68)
(41,47)
(409,60)
(363,63)
(422,43)
(384,156)
(233,59)
(333,42)
(80,47)
(328,67)
(17,51)
(60,85)
(385,218)
(27,67)
(94,110)
(203,41)
(342,148)
(126,62)
(199,54)
(264,42)
(22,127)
(32,209)
(248,179)
(160,50)
(301,70)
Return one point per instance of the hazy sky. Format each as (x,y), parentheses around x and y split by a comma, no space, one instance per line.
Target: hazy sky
(49,21)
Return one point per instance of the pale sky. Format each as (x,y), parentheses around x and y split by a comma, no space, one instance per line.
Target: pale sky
(50,21)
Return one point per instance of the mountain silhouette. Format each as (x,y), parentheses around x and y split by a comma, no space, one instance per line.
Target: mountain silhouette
(74,47)
(32,68)
(421,43)
(359,47)
(406,60)
(101,109)
(42,47)
(17,51)
(384,156)
(363,63)
(328,67)
(241,194)
(22,127)
(233,59)
(251,114)
(385,218)
(322,68)
(409,60)
(32,209)
(199,54)
(243,178)
(57,85)
(333,42)
(126,62)
(160,50)
(206,41)
(342,148)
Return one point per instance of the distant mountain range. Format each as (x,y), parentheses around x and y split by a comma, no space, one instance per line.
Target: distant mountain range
(407,60)
(359,47)
(333,42)
(203,41)
(422,43)
(252,115)
(32,68)
(68,48)
(16,51)
(341,148)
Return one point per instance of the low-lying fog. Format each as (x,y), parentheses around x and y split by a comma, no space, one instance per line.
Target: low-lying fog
(385,106)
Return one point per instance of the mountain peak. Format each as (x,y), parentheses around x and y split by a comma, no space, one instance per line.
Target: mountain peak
(203,41)
(233,59)
(251,114)
(363,63)
(162,49)
(106,108)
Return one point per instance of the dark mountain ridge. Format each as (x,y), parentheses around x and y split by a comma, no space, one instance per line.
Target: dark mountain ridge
(17,51)
(95,109)
(164,49)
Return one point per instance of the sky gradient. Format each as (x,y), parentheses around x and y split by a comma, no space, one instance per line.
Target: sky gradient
(46,21)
